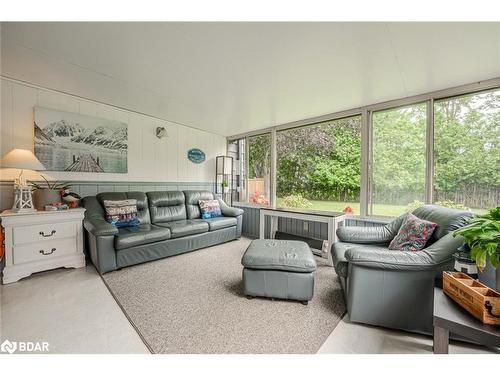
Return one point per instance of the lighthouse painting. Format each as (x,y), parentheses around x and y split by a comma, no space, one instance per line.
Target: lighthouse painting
(72,142)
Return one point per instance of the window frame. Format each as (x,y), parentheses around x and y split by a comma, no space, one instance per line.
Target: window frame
(432,151)
(272,182)
(366,113)
(310,125)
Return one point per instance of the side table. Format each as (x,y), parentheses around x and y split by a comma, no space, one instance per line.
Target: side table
(449,316)
(41,240)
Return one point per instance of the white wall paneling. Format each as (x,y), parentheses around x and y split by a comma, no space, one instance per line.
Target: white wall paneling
(149,158)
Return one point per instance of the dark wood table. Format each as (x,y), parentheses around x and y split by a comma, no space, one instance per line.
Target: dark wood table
(449,316)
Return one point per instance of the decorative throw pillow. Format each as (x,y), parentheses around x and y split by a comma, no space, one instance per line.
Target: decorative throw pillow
(122,213)
(413,234)
(210,209)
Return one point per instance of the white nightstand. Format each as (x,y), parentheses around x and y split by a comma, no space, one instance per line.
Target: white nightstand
(40,241)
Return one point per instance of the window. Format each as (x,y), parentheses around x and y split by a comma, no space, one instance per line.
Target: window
(236,149)
(398,160)
(318,166)
(467,151)
(259,169)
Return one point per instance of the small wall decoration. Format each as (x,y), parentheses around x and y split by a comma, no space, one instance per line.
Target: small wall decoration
(72,142)
(161,132)
(196,155)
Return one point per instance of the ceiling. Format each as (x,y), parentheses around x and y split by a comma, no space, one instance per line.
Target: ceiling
(230,78)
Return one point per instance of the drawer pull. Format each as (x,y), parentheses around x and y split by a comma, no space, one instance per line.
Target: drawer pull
(48,235)
(44,253)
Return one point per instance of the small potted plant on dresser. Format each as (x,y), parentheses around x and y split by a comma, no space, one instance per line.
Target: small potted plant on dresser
(482,235)
(48,193)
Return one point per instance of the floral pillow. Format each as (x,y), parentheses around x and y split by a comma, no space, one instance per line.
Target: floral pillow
(413,234)
(210,209)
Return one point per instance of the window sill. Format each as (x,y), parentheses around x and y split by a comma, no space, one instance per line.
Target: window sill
(249,205)
(375,219)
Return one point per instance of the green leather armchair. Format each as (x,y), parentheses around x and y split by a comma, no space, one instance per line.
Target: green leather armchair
(392,288)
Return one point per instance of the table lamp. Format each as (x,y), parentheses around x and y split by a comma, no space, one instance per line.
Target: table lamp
(22,159)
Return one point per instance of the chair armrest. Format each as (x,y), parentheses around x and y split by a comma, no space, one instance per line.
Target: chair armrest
(390,259)
(430,258)
(99,227)
(229,211)
(371,235)
(364,235)
(443,249)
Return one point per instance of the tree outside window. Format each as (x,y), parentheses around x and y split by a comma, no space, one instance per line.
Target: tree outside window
(318,166)
(259,169)
(467,151)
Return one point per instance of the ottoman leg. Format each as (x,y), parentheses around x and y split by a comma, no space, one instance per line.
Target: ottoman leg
(305,303)
(249,297)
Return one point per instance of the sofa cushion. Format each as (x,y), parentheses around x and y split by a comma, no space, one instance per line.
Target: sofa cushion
(140,235)
(221,222)
(192,198)
(279,255)
(142,202)
(166,206)
(182,228)
(340,263)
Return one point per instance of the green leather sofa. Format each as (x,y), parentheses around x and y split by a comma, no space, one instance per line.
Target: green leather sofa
(171,224)
(392,288)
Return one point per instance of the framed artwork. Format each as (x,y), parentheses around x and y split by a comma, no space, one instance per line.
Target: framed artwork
(72,142)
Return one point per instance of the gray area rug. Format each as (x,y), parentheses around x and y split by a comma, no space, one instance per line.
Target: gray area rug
(194,303)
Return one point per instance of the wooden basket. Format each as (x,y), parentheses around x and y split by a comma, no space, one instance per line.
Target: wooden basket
(479,300)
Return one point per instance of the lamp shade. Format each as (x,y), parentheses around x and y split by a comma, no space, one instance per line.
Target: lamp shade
(21,159)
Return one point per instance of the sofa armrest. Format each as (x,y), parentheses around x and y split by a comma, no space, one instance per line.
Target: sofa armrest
(94,220)
(99,227)
(229,211)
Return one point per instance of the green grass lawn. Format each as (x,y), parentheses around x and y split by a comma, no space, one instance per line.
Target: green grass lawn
(378,209)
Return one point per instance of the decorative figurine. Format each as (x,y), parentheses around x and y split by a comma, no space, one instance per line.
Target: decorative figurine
(71,199)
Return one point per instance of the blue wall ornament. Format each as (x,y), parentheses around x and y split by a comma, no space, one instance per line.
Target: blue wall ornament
(196,155)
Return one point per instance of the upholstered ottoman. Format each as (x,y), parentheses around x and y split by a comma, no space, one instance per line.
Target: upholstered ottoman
(279,269)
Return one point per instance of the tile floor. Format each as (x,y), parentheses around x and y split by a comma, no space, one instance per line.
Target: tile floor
(71,309)
(74,311)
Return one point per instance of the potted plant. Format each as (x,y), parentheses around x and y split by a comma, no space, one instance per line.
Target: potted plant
(225,185)
(482,235)
(48,193)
